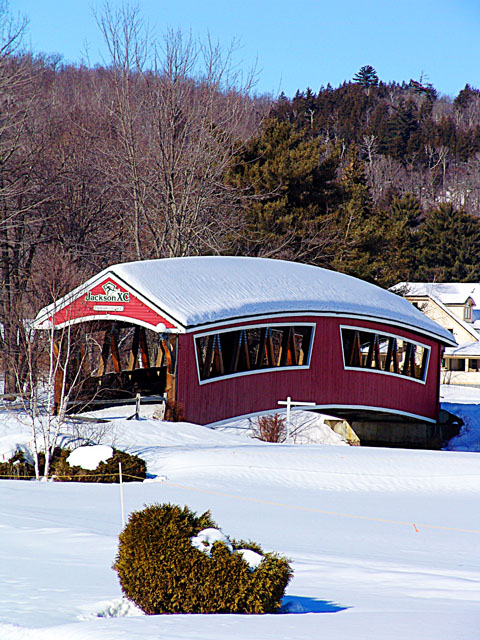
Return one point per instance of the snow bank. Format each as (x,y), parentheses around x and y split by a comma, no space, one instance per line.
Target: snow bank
(90,457)
(384,541)
(306,427)
(463,402)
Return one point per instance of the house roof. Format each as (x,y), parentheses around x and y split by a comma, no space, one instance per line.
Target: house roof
(450,295)
(446,292)
(468,350)
(197,291)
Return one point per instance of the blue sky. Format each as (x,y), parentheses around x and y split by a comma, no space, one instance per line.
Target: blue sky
(297,43)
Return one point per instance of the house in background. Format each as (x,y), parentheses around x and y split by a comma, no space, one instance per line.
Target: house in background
(454,307)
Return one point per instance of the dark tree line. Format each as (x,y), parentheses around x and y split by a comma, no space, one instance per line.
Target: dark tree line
(167,152)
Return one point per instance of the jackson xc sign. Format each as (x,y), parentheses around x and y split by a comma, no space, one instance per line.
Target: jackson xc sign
(112,294)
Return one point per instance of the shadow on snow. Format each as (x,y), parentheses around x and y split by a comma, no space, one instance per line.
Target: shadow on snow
(302,604)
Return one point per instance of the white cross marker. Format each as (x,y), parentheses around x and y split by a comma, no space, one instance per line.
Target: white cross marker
(293,403)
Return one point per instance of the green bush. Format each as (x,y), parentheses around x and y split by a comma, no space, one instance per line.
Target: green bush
(17,468)
(162,572)
(133,469)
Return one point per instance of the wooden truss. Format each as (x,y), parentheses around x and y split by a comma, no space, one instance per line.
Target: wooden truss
(243,352)
(120,371)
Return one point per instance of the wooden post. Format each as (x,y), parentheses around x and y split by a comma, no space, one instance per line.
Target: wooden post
(241,354)
(144,348)
(133,356)
(102,364)
(207,364)
(356,354)
(114,348)
(169,353)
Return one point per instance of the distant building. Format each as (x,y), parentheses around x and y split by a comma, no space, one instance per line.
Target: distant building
(454,307)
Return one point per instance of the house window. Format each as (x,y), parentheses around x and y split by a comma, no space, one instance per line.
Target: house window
(253,349)
(473,364)
(457,364)
(384,353)
(467,313)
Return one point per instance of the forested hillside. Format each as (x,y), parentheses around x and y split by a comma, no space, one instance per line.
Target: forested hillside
(167,151)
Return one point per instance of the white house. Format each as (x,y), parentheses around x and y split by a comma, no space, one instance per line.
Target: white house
(456,307)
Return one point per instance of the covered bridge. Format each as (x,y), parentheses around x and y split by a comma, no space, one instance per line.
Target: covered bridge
(231,336)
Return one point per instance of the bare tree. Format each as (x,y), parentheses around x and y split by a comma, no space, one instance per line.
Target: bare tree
(178,113)
(44,391)
(18,182)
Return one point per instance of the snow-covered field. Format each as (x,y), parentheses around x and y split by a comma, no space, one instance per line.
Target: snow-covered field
(384,543)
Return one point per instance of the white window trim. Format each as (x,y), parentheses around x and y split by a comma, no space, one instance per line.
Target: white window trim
(239,374)
(379,371)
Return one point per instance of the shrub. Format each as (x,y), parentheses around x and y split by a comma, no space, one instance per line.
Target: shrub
(162,572)
(270,428)
(133,469)
(17,468)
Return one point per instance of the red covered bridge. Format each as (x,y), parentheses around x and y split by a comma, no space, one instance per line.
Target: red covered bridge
(230,336)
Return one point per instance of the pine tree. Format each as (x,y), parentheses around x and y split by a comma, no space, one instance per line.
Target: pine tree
(360,231)
(466,95)
(403,131)
(367,77)
(290,195)
(399,246)
(448,246)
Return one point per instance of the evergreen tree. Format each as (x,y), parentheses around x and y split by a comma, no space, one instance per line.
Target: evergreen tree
(399,246)
(290,195)
(448,246)
(465,96)
(367,77)
(403,131)
(427,89)
(360,232)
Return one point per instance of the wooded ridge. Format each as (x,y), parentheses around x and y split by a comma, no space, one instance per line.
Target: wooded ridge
(162,154)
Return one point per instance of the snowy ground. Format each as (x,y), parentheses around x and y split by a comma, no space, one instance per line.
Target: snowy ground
(384,542)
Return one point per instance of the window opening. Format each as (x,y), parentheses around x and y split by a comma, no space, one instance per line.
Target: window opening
(364,349)
(253,349)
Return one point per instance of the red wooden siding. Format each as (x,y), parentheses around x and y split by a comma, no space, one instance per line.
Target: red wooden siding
(326,382)
(130,307)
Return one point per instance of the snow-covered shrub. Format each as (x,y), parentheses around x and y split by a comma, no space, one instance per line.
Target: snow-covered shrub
(17,468)
(170,560)
(133,469)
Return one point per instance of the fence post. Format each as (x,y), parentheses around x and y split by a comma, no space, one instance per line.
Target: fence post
(137,407)
(122,503)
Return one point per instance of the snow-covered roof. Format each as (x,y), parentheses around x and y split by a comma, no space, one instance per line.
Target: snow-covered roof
(467,350)
(424,290)
(446,292)
(197,291)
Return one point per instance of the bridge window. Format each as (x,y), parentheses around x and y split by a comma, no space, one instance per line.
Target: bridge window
(253,349)
(384,353)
